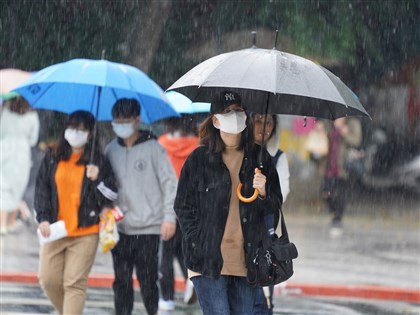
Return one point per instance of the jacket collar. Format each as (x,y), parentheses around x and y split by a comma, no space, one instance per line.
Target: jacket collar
(144,136)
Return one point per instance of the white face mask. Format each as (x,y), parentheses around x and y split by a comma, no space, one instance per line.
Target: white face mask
(76,138)
(123,130)
(232,122)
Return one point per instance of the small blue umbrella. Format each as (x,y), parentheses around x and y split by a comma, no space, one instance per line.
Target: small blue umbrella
(183,105)
(94,86)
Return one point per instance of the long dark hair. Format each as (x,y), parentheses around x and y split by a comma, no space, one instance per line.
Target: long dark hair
(18,105)
(62,149)
(186,125)
(210,136)
(275,123)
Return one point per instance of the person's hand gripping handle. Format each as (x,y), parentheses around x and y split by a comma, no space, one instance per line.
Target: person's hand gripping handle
(258,184)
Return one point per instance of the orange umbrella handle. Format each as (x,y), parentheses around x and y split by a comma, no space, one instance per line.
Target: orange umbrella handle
(244,199)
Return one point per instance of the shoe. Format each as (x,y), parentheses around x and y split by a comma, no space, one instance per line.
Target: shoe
(3,230)
(166,305)
(16,227)
(190,296)
(336,232)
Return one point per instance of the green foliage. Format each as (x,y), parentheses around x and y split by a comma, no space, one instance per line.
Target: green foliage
(40,33)
(372,37)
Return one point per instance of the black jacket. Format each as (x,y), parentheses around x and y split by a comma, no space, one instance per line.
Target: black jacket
(202,206)
(95,194)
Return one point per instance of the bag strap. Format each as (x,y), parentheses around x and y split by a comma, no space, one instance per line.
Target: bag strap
(267,240)
(284,233)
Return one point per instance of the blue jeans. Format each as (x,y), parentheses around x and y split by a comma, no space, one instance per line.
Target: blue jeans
(260,306)
(228,295)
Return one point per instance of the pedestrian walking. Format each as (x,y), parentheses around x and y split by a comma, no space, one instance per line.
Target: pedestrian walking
(19,132)
(272,139)
(179,140)
(74,185)
(346,133)
(220,234)
(147,187)
(272,130)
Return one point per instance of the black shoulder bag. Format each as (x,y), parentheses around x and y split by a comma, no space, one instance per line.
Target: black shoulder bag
(272,263)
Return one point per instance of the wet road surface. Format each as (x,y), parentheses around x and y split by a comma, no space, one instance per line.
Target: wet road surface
(29,299)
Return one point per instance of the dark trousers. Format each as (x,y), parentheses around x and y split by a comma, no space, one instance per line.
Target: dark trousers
(334,192)
(141,252)
(169,250)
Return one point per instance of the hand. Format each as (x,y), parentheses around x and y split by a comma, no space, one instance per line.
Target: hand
(167,230)
(259,182)
(92,172)
(341,125)
(344,131)
(44,228)
(104,211)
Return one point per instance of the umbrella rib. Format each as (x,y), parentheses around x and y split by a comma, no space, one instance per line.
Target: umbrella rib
(42,94)
(332,115)
(145,112)
(115,94)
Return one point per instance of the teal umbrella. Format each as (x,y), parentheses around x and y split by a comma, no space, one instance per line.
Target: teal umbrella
(94,86)
(183,105)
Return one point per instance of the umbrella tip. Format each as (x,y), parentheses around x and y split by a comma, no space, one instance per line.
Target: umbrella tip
(254,39)
(275,40)
(103,54)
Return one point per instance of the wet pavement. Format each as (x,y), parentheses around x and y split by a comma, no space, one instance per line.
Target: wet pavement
(19,299)
(378,252)
(370,252)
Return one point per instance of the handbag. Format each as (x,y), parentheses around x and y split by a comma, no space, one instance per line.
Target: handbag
(273,260)
(353,163)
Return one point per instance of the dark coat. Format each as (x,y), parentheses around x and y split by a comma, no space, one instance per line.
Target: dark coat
(95,194)
(202,206)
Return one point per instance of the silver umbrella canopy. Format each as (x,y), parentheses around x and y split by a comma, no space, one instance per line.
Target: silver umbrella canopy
(271,81)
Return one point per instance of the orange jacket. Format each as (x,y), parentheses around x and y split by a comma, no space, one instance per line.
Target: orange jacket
(178,148)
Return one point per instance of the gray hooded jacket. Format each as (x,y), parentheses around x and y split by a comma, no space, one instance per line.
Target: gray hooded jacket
(147,184)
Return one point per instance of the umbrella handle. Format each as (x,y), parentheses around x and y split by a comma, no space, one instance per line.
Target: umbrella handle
(244,199)
(266,291)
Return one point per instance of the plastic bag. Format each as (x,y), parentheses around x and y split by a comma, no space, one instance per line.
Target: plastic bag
(317,141)
(108,232)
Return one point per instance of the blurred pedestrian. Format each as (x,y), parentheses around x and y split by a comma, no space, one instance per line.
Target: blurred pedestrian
(272,140)
(73,188)
(220,234)
(19,132)
(272,130)
(346,133)
(147,187)
(317,144)
(179,141)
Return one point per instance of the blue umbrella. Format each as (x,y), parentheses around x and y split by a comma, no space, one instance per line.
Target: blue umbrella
(183,105)
(94,86)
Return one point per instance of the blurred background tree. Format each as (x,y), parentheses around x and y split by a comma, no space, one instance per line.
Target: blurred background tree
(361,39)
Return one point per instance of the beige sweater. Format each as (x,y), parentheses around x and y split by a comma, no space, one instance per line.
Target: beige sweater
(232,246)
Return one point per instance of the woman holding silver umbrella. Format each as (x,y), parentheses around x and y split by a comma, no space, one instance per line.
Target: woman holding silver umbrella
(220,233)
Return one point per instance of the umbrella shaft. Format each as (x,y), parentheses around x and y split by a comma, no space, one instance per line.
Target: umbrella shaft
(95,128)
(263,133)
